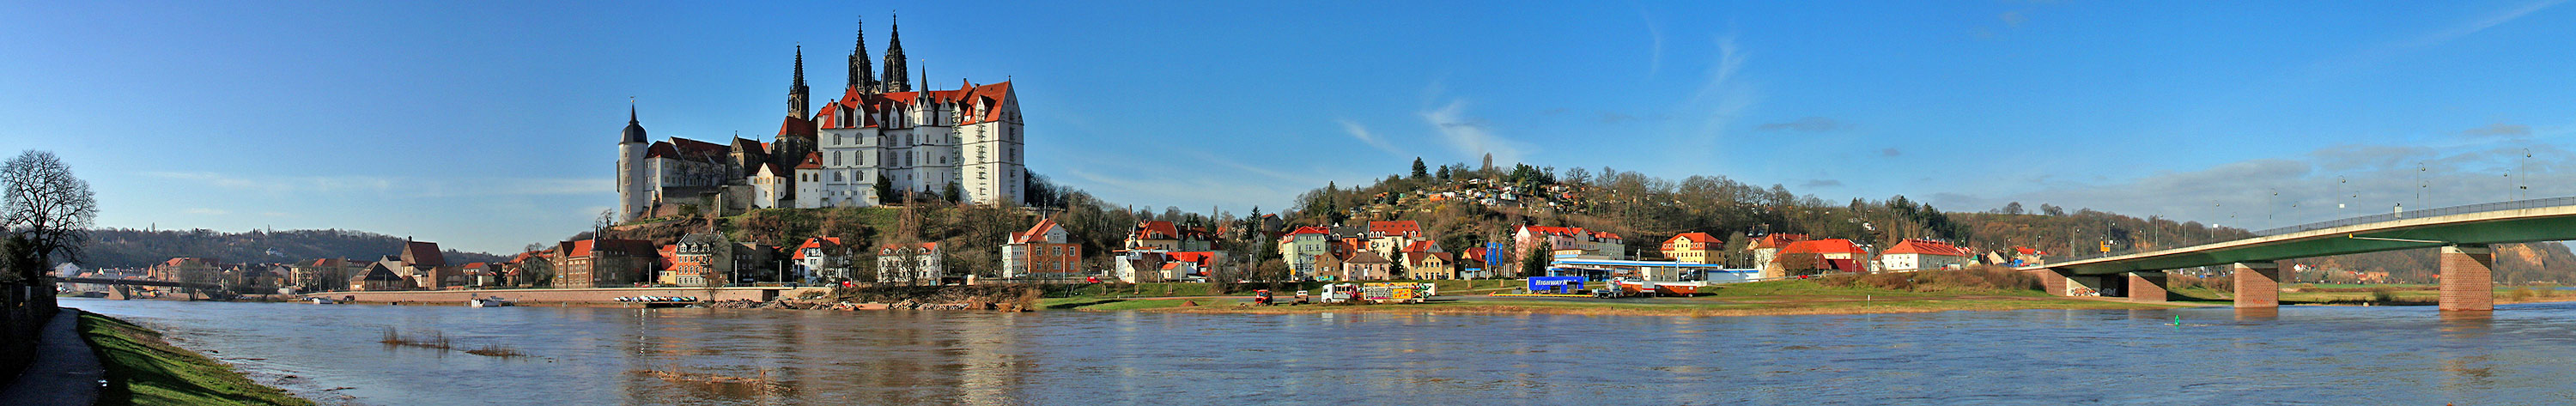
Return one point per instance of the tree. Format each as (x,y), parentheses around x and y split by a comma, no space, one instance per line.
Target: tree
(1420,171)
(1534,262)
(46,208)
(1445,174)
(2013,208)
(884,189)
(954,193)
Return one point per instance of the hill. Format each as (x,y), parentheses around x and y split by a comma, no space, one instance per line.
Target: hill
(130,248)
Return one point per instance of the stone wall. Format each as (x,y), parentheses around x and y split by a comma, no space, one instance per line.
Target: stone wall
(537,296)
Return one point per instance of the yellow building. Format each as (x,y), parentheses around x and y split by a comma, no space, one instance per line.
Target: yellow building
(1696,248)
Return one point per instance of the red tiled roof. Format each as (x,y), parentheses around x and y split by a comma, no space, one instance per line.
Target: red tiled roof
(1311,230)
(1399,227)
(1695,237)
(1825,246)
(1926,247)
(1035,231)
(2028,251)
(796,126)
(1419,246)
(1156,230)
(813,160)
(1777,240)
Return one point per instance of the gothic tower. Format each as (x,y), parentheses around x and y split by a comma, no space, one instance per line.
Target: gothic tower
(796,91)
(860,73)
(630,170)
(894,74)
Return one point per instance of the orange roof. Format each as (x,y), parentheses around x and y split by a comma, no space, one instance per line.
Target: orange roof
(1400,227)
(1926,247)
(1825,246)
(1311,230)
(1777,240)
(796,126)
(813,160)
(1156,230)
(1418,246)
(1696,237)
(1035,231)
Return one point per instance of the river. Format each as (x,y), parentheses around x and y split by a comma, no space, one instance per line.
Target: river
(2522,354)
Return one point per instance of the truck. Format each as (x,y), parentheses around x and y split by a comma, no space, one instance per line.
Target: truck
(1378,292)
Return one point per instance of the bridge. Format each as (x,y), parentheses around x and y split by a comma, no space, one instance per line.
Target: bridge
(2463,233)
(140,282)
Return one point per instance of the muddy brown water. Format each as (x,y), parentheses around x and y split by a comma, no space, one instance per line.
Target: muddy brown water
(2521,354)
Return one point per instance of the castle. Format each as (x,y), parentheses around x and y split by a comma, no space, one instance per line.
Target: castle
(875,143)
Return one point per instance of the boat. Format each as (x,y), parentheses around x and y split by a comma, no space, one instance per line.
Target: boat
(495,301)
(320,300)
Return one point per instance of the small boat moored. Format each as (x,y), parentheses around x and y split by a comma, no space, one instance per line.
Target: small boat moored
(495,301)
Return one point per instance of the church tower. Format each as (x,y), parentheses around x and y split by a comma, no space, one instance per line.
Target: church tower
(630,168)
(894,74)
(860,73)
(797,94)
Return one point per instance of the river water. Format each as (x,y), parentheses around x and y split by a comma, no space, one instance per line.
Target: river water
(2522,354)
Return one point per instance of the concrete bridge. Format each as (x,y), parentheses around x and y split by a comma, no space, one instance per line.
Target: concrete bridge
(139,282)
(2463,234)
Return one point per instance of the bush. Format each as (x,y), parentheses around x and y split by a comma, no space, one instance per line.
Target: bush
(1977,278)
(2383,295)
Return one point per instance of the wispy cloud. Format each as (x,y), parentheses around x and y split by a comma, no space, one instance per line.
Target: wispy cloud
(1722,97)
(2329,183)
(1362,133)
(1472,136)
(2482,24)
(1655,50)
(2498,130)
(1806,124)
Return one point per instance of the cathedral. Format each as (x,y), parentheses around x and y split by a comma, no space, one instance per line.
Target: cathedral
(877,142)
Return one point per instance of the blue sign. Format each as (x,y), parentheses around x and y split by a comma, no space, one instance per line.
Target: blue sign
(1555,284)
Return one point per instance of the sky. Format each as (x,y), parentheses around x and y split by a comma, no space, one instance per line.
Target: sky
(487,126)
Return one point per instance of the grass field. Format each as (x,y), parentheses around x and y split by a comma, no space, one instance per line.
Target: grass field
(144,370)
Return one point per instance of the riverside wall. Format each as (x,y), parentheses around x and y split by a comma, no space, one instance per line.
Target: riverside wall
(587,295)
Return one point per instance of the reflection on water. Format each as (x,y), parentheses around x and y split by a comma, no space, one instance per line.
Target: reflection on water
(2327,355)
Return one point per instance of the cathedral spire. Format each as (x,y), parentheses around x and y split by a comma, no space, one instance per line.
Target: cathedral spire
(797,93)
(895,80)
(860,72)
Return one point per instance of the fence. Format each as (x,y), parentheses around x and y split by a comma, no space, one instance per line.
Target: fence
(28,304)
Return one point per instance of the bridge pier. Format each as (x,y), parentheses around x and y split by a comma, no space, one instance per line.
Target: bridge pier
(2148,286)
(2468,278)
(2258,284)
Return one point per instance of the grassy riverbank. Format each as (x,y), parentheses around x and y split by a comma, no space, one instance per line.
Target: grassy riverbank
(1791,297)
(142,369)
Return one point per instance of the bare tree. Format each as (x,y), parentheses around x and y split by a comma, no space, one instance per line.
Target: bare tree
(47,207)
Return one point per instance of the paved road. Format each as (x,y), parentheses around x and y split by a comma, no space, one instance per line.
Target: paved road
(64,373)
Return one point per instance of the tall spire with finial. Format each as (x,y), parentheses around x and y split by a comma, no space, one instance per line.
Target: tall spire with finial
(895,80)
(860,71)
(797,93)
(634,132)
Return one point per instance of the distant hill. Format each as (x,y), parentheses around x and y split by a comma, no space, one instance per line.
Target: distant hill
(129,248)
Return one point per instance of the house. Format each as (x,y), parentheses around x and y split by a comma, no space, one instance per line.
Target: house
(202,270)
(1822,256)
(1916,254)
(1165,236)
(821,259)
(1301,247)
(1430,265)
(322,274)
(1595,244)
(421,261)
(1694,248)
(378,277)
(911,264)
(1766,252)
(2024,256)
(1367,266)
(702,259)
(600,263)
(1042,251)
(482,275)
(1403,228)
(1139,266)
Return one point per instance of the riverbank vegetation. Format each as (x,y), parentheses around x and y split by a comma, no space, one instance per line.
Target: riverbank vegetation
(1915,292)
(143,369)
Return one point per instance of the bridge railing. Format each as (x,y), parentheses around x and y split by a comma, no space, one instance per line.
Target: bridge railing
(2321,225)
(2444,211)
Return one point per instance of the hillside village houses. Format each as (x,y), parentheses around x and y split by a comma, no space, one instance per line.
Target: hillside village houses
(822,258)
(1591,244)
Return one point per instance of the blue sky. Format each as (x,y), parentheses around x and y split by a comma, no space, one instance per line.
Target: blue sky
(487,126)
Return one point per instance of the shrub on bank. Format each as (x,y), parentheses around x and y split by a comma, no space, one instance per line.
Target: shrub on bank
(1975,278)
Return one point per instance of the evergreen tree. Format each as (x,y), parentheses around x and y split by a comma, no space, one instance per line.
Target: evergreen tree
(1534,262)
(1420,171)
(885,189)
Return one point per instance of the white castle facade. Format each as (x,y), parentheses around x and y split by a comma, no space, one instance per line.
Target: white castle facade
(878,142)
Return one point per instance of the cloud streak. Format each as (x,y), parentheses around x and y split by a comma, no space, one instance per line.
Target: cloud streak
(1362,133)
(1472,136)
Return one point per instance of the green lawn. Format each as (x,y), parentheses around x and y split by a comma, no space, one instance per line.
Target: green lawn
(144,370)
